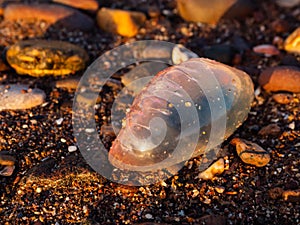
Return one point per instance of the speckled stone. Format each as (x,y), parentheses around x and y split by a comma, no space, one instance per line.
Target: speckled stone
(281,78)
(251,153)
(17,97)
(52,13)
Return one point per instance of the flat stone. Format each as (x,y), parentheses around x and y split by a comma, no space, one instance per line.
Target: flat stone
(202,10)
(251,153)
(122,22)
(292,42)
(280,78)
(214,169)
(17,97)
(270,130)
(283,98)
(89,5)
(266,49)
(7,164)
(53,14)
(68,83)
(42,58)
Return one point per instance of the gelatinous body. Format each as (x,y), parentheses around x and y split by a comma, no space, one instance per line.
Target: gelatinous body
(183,112)
(40,58)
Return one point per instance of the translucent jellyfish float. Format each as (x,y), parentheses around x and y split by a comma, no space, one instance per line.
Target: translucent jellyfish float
(179,112)
(185,111)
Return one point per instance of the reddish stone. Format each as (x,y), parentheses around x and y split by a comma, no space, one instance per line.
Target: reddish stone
(281,78)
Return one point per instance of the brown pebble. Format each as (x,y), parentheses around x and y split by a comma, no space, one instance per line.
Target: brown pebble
(68,83)
(122,22)
(271,129)
(281,78)
(275,193)
(283,98)
(280,25)
(291,195)
(214,169)
(53,14)
(89,5)
(251,153)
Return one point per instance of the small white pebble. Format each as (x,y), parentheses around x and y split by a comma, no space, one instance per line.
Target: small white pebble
(72,148)
(59,121)
(292,125)
(63,140)
(38,190)
(148,216)
(89,130)
(25,126)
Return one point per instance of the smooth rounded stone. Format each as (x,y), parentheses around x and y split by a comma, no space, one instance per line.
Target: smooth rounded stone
(251,153)
(283,98)
(18,96)
(216,168)
(240,9)
(280,78)
(202,10)
(288,3)
(68,83)
(42,57)
(89,5)
(52,13)
(122,22)
(222,53)
(291,195)
(7,163)
(270,130)
(292,42)
(176,101)
(266,49)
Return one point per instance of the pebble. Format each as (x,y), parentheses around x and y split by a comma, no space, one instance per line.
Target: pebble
(287,3)
(275,193)
(266,49)
(283,98)
(89,5)
(17,96)
(68,83)
(240,9)
(291,195)
(292,42)
(251,153)
(222,53)
(122,22)
(72,148)
(203,11)
(280,78)
(43,57)
(7,164)
(270,130)
(216,168)
(53,14)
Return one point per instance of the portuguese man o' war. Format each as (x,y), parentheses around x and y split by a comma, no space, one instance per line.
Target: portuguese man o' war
(183,112)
